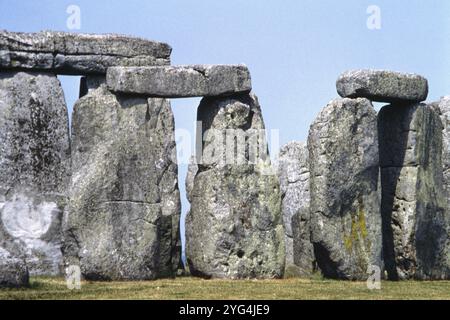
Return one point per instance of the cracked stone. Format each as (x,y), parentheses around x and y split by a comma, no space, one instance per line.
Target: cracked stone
(414,206)
(122,222)
(344,189)
(180,81)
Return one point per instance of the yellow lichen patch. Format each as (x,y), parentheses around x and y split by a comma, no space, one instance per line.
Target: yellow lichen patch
(358,231)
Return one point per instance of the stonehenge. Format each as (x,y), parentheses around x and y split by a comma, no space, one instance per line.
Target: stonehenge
(293,172)
(344,189)
(233,196)
(367,189)
(78,54)
(382,86)
(34,166)
(180,81)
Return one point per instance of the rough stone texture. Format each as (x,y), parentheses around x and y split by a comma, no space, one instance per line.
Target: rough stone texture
(13,271)
(90,83)
(234,229)
(75,53)
(293,172)
(180,81)
(382,86)
(415,218)
(344,186)
(124,210)
(34,167)
(192,172)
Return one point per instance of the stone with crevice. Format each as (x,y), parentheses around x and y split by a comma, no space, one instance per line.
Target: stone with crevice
(293,172)
(180,81)
(234,229)
(76,53)
(345,190)
(122,221)
(414,206)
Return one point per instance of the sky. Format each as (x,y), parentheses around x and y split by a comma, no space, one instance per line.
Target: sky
(295,49)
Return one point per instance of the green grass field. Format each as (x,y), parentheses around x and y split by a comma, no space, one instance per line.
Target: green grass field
(194,288)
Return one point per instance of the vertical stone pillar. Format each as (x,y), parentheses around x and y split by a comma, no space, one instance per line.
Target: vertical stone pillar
(415,222)
(345,191)
(293,172)
(34,167)
(234,229)
(123,217)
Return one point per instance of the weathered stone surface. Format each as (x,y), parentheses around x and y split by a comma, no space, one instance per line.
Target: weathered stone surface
(344,188)
(75,53)
(234,229)
(90,83)
(382,86)
(192,172)
(13,271)
(293,172)
(124,210)
(180,81)
(34,167)
(415,218)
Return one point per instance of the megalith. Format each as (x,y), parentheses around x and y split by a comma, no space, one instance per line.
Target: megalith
(122,221)
(234,229)
(415,218)
(34,167)
(344,189)
(13,271)
(293,172)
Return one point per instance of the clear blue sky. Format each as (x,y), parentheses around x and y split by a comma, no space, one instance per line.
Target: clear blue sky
(295,49)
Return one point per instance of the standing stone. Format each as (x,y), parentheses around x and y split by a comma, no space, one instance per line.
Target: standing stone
(344,186)
(13,271)
(124,210)
(293,172)
(34,167)
(415,220)
(234,229)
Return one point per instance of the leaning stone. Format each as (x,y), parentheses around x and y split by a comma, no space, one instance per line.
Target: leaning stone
(180,81)
(13,271)
(415,217)
(345,192)
(234,229)
(382,86)
(124,209)
(34,166)
(75,53)
(293,172)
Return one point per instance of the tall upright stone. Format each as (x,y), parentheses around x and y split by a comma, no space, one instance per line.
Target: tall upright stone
(415,218)
(344,186)
(124,210)
(234,229)
(293,172)
(34,167)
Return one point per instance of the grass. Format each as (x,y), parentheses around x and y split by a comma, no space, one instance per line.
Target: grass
(194,288)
